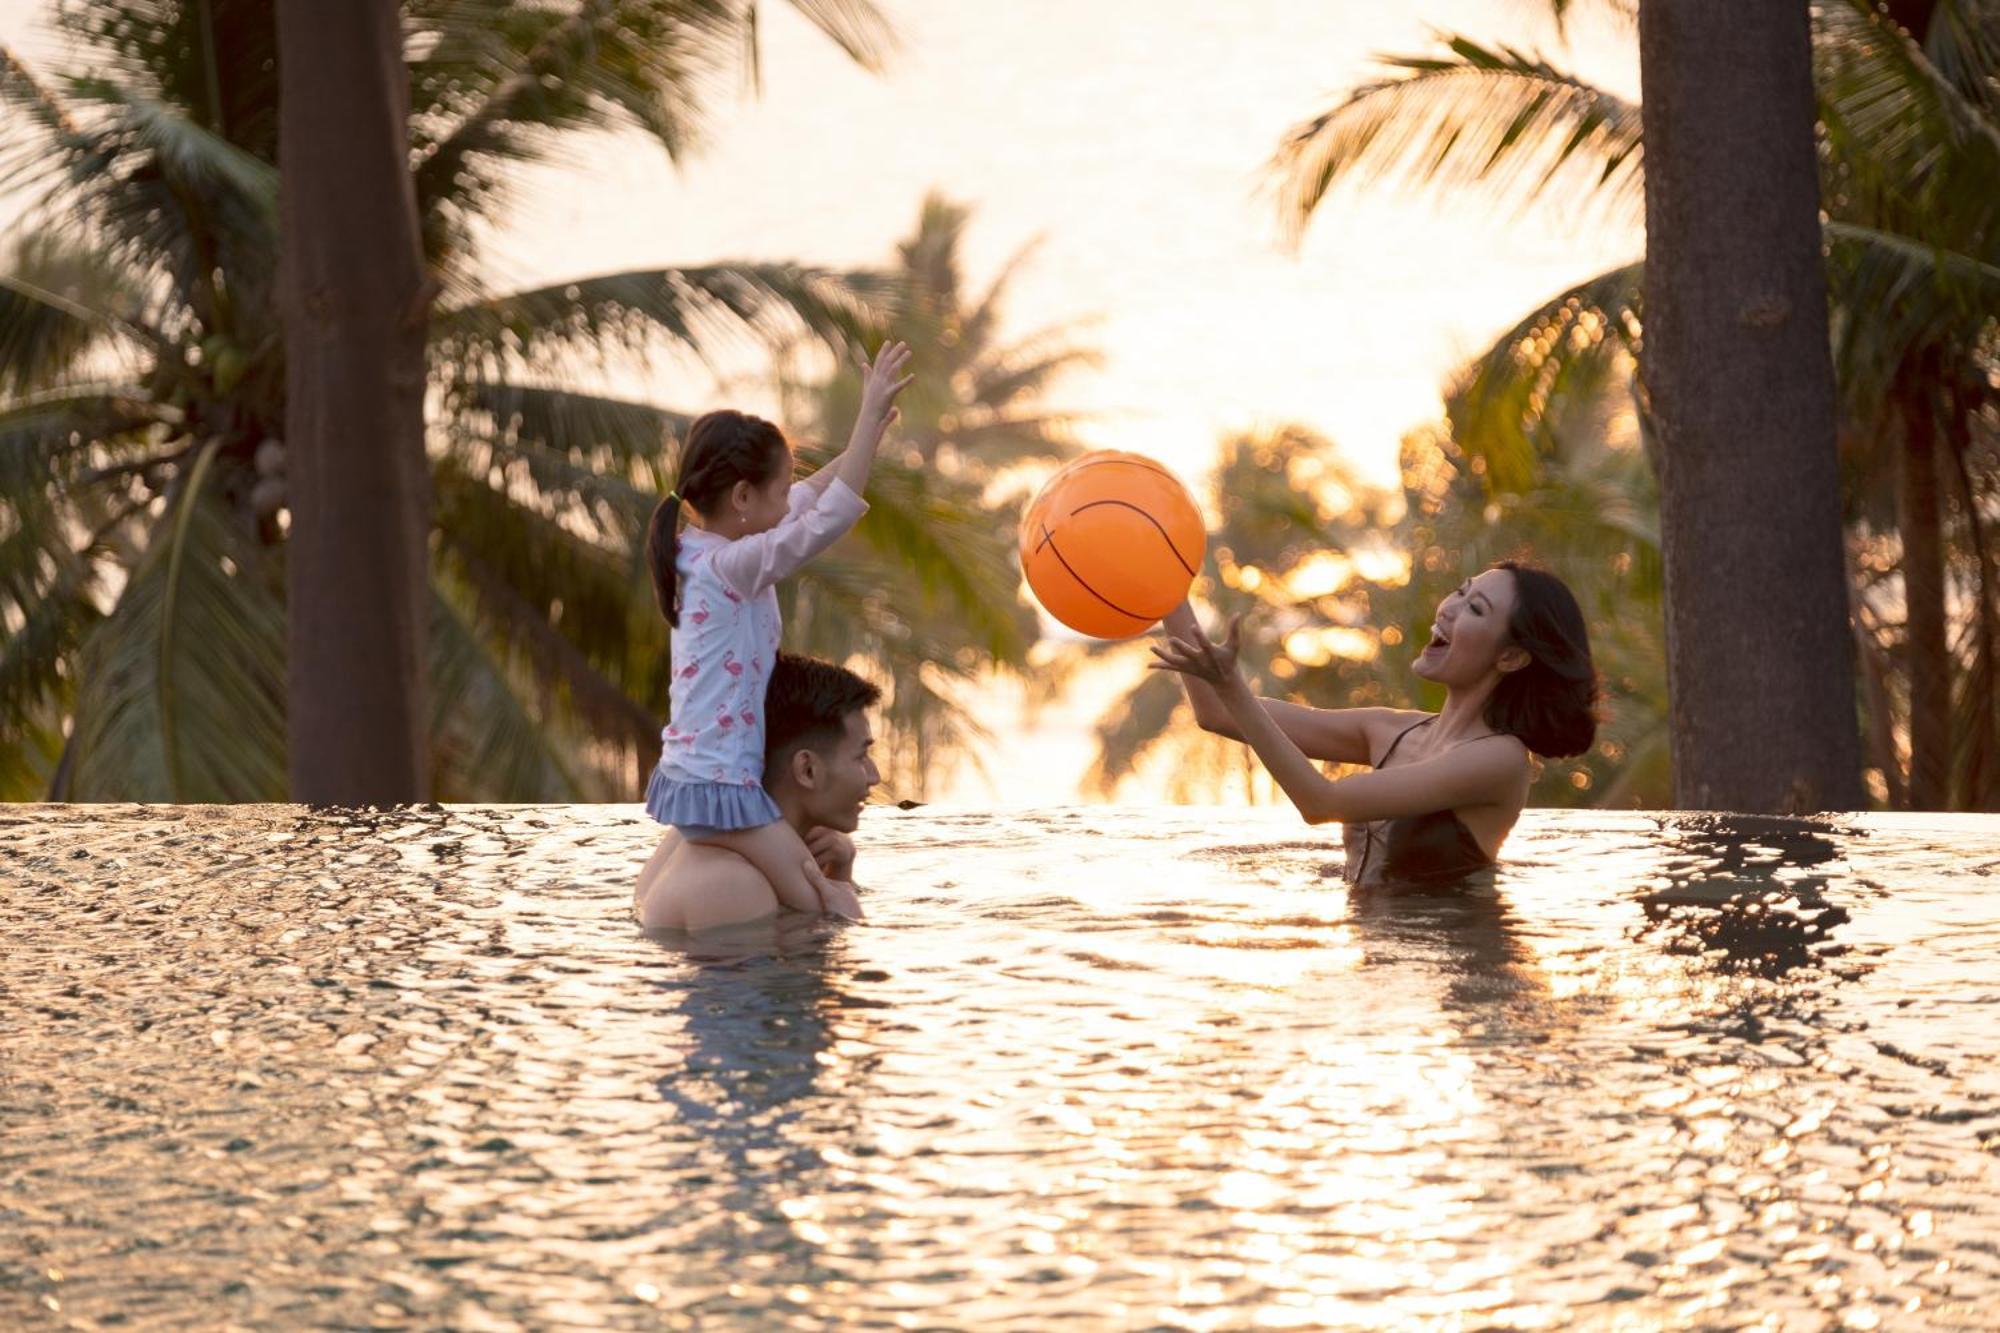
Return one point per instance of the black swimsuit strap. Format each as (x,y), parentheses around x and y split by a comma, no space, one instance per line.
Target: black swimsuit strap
(1399,740)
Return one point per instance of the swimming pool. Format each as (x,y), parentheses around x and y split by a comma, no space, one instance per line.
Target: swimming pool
(1149,1068)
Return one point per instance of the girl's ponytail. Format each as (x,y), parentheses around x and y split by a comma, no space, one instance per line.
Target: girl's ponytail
(661,548)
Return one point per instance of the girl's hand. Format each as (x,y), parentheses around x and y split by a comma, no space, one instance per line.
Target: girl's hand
(1200,657)
(840,900)
(832,850)
(881,381)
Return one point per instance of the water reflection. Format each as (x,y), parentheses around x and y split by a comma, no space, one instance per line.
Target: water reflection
(1747,894)
(287,1068)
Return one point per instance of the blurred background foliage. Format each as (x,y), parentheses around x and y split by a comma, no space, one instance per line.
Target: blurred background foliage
(142,376)
(1545,449)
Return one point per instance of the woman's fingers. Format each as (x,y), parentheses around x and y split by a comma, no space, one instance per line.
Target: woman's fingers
(1176,655)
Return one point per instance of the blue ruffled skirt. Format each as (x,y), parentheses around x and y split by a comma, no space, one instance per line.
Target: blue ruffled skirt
(704,809)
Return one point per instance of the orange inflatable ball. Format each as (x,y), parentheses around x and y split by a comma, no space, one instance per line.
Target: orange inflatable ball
(1111,544)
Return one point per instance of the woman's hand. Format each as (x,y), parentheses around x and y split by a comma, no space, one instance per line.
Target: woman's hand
(1197,655)
(832,850)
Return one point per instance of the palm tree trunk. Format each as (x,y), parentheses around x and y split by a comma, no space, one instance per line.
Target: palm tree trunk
(1881,728)
(1926,645)
(356,301)
(1739,375)
(1979,774)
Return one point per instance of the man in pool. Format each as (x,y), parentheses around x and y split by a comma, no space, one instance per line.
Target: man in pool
(817,767)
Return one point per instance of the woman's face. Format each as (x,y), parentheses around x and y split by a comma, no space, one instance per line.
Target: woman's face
(1470,635)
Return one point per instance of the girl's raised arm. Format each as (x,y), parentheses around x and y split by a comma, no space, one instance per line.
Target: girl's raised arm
(880,383)
(748,565)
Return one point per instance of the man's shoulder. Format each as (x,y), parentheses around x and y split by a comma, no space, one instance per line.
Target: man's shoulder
(712,862)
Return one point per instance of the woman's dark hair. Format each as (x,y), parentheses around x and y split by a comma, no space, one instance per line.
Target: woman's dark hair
(1551,703)
(722,449)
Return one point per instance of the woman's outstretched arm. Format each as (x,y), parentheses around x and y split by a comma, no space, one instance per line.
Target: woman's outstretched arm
(1466,775)
(1339,735)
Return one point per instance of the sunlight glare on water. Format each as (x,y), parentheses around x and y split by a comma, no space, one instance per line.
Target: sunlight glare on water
(1154,1068)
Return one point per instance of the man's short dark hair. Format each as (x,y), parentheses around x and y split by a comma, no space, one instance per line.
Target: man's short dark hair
(806,707)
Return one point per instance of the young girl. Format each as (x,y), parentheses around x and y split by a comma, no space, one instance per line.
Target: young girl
(749,527)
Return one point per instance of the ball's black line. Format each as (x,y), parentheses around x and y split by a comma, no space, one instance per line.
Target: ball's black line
(1142,514)
(1057,550)
(1047,537)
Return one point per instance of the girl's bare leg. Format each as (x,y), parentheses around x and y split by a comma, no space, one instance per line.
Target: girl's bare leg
(780,856)
(649,873)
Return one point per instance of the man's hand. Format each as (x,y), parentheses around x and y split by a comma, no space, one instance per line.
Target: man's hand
(832,850)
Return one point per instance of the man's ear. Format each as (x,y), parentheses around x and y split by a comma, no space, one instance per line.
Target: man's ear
(805,768)
(1512,658)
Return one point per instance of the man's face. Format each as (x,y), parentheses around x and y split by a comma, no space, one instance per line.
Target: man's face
(844,773)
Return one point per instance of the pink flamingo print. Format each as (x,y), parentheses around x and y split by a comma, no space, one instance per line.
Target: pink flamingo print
(700,615)
(732,666)
(723,720)
(749,718)
(689,671)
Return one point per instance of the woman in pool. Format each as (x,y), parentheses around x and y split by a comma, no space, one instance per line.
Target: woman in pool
(1512,652)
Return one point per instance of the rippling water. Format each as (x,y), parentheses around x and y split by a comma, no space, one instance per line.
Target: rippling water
(262,1066)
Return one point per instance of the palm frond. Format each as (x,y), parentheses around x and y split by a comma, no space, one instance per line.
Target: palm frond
(586,584)
(53,625)
(500,82)
(1001,442)
(691,308)
(1922,156)
(217,59)
(858,27)
(46,437)
(595,502)
(1491,119)
(537,71)
(980,325)
(183,684)
(1500,405)
(604,432)
(1131,728)
(1026,369)
(1894,293)
(1964,44)
(958,562)
(156,192)
(192,155)
(58,303)
(49,326)
(486,744)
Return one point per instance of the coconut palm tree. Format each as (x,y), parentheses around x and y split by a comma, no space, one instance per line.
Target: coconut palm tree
(974,418)
(1910,133)
(141,396)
